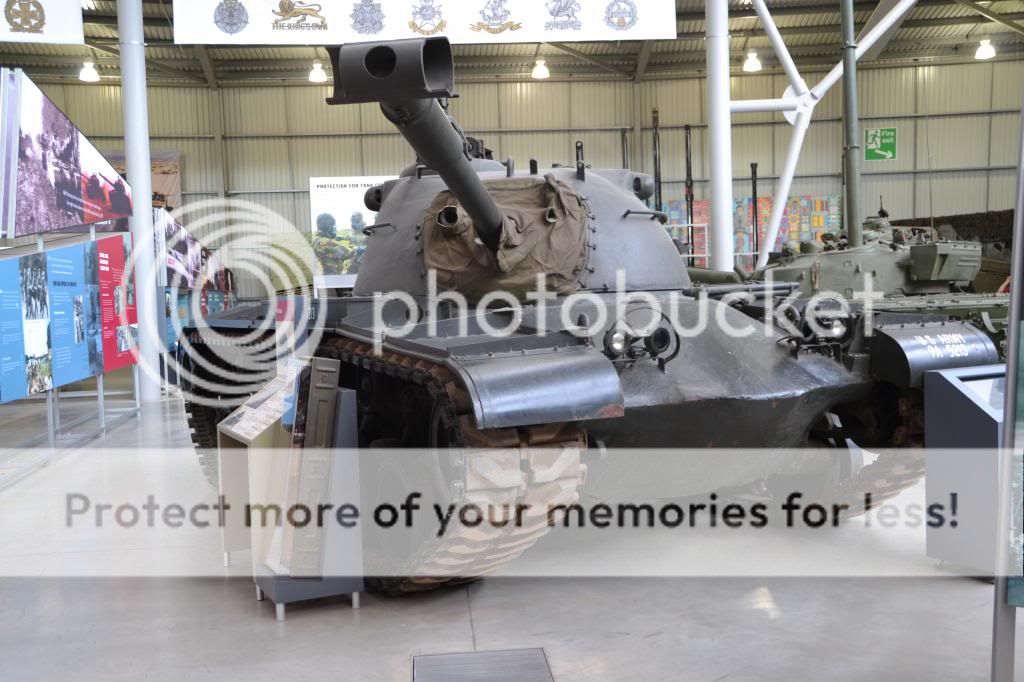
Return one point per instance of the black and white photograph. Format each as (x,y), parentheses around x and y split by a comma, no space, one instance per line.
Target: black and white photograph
(94,329)
(78,304)
(49,190)
(126,338)
(35,299)
(129,270)
(119,301)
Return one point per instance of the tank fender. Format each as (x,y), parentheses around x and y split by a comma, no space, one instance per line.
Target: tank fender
(529,388)
(902,353)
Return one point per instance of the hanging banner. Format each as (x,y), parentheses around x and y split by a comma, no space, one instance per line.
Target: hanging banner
(117,302)
(184,254)
(42,21)
(339,215)
(312,22)
(58,179)
(166,176)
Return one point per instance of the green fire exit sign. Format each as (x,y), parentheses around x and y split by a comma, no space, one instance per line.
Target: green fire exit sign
(880,144)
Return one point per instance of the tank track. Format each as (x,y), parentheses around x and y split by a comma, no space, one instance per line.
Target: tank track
(895,470)
(202,421)
(538,466)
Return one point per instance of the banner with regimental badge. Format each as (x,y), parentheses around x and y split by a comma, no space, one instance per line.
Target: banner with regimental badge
(42,21)
(314,22)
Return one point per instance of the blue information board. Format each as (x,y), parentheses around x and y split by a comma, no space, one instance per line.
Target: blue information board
(12,342)
(69,300)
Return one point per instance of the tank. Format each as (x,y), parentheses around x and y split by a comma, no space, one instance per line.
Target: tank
(592,381)
(917,270)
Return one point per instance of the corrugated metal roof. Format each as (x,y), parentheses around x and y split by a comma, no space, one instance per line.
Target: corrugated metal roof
(934,29)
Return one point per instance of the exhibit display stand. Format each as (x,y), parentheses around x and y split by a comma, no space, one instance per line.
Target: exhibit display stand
(67,320)
(261,467)
(964,418)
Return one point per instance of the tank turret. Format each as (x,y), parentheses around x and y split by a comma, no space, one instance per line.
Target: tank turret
(406,78)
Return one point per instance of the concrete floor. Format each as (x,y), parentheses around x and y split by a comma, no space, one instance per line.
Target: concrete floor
(172,628)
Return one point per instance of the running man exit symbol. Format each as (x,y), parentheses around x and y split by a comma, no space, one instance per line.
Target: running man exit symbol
(880,144)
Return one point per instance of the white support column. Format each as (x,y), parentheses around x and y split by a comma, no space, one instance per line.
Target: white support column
(1004,616)
(136,143)
(785,182)
(720,238)
(796,81)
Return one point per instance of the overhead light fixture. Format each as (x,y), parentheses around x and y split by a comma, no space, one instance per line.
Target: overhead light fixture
(89,4)
(317,73)
(88,74)
(985,50)
(540,70)
(753,64)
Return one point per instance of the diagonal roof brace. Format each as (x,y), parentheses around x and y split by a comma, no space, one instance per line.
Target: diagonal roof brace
(992,16)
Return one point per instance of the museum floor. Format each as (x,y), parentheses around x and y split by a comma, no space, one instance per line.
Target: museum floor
(934,628)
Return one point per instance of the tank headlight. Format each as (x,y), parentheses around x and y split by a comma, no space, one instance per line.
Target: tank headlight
(616,342)
(659,342)
(838,328)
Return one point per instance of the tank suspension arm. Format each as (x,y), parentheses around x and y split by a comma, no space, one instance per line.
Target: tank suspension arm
(437,142)
(407,77)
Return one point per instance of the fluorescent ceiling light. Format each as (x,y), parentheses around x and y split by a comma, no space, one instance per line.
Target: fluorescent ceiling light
(753,64)
(89,74)
(985,50)
(317,73)
(540,70)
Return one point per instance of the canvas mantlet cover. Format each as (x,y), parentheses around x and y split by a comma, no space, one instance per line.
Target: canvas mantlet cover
(545,231)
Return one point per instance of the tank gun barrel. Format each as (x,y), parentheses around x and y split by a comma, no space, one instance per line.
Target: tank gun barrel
(406,77)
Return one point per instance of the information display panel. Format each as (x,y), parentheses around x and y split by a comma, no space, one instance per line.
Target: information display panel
(117,302)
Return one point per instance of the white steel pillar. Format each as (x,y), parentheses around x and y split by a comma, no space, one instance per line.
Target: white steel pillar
(721,244)
(137,159)
(1004,616)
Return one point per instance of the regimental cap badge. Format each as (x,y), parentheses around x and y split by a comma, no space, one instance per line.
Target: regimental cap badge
(427,18)
(25,16)
(367,17)
(563,15)
(621,14)
(297,15)
(496,18)
(230,16)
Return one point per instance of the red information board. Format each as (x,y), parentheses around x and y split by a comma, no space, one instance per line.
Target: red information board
(117,302)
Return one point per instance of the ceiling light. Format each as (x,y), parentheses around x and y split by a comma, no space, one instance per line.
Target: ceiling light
(317,73)
(540,70)
(753,64)
(88,4)
(89,74)
(985,50)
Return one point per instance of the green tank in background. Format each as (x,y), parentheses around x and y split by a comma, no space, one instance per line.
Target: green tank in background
(918,269)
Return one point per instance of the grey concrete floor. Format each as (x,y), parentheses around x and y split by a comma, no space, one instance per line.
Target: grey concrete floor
(749,628)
